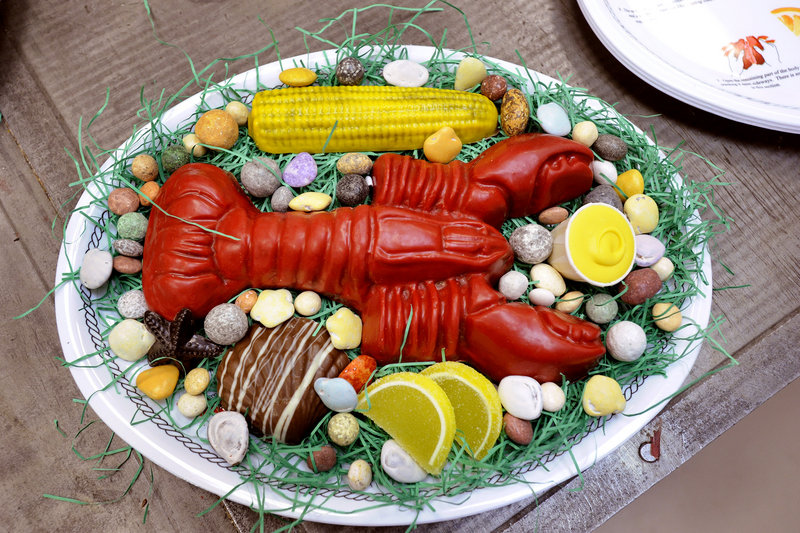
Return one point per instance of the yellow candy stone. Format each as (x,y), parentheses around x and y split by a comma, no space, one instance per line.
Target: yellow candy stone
(667,316)
(310,201)
(273,307)
(298,77)
(642,211)
(469,73)
(443,146)
(158,382)
(630,183)
(602,396)
(344,327)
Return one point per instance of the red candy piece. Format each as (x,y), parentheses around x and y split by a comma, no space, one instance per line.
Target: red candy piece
(358,371)
(418,263)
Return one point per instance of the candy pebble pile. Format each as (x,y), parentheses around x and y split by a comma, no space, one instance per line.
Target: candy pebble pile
(344,417)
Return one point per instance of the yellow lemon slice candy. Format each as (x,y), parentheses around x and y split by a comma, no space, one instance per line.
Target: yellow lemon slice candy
(416,412)
(479,413)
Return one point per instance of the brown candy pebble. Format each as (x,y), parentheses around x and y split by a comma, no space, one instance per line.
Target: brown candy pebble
(553,215)
(324,459)
(122,201)
(514,112)
(494,87)
(610,147)
(642,284)
(518,430)
(149,192)
(127,265)
(246,300)
(144,167)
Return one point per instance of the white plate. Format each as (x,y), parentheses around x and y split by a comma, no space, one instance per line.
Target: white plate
(189,459)
(680,48)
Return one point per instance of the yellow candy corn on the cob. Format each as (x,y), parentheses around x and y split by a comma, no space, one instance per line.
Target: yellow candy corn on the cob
(365,118)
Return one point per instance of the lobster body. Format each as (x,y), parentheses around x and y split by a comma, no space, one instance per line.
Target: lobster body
(418,263)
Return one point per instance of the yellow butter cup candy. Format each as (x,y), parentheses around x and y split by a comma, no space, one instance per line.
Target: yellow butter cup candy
(345,328)
(602,396)
(298,77)
(310,201)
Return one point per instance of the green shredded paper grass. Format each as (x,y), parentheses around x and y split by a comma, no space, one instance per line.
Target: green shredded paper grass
(688,221)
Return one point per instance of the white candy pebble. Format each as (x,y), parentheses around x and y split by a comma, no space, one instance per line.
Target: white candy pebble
(192,405)
(513,284)
(545,276)
(521,396)
(308,303)
(626,341)
(399,465)
(359,475)
(96,268)
(604,172)
(539,296)
(553,397)
(130,340)
(405,73)
(554,119)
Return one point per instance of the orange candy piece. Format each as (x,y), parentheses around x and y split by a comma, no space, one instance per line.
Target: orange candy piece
(358,371)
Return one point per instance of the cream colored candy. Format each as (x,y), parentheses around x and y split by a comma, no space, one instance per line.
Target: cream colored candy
(190,405)
(238,111)
(604,172)
(273,307)
(570,302)
(359,475)
(545,276)
(602,396)
(310,201)
(442,146)
(664,268)
(544,297)
(585,133)
(344,327)
(398,464)
(553,397)
(308,303)
(297,77)
(642,211)
(521,396)
(667,316)
(130,340)
(469,73)
(513,284)
(196,381)
(192,144)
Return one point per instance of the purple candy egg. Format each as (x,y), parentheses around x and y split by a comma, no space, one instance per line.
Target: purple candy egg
(648,250)
(300,171)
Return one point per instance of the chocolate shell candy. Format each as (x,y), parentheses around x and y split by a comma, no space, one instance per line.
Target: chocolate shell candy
(269,376)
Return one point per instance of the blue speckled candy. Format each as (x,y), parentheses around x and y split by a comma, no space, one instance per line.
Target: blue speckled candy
(648,250)
(554,119)
(300,171)
(337,394)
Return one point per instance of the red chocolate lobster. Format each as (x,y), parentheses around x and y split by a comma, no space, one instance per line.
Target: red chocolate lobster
(421,259)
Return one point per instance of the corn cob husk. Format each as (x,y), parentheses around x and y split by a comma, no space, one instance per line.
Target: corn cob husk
(365,118)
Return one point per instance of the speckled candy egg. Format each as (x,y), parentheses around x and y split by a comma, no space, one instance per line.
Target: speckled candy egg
(513,284)
(349,71)
(225,324)
(132,304)
(601,308)
(626,341)
(603,194)
(531,243)
(352,190)
(343,429)
(261,177)
(132,226)
(642,211)
(281,198)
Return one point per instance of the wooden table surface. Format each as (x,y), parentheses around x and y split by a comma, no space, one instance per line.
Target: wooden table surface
(58,58)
